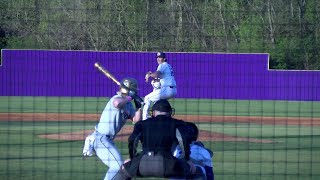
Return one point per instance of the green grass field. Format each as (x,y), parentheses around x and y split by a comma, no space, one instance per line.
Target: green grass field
(295,155)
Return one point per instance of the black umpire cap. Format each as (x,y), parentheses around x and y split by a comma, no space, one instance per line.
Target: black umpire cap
(161,54)
(162,105)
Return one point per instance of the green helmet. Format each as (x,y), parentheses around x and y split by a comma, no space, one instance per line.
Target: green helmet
(128,84)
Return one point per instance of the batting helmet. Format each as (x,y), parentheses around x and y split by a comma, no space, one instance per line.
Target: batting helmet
(128,84)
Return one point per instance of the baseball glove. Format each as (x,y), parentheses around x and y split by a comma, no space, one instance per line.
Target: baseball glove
(88,145)
(147,76)
(156,83)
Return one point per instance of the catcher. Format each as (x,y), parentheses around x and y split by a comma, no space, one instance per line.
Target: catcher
(199,154)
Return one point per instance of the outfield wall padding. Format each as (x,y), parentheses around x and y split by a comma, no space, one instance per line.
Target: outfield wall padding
(198,75)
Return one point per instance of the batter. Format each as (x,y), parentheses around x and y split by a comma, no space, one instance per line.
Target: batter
(115,114)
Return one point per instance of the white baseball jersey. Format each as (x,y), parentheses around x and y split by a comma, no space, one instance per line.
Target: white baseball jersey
(167,77)
(167,90)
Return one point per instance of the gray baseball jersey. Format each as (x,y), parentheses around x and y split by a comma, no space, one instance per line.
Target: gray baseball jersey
(111,122)
(113,119)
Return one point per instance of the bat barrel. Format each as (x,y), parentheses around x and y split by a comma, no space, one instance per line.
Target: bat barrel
(106,73)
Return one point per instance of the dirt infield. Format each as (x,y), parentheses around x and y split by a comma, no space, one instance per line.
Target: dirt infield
(126,131)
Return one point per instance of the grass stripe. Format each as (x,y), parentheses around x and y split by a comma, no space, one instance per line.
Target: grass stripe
(182,106)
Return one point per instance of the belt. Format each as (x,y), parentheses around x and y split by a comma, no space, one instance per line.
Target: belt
(107,136)
(150,153)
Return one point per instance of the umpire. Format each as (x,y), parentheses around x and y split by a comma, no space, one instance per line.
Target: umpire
(157,135)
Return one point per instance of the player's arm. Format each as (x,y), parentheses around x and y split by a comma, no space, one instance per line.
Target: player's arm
(156,74)
(185,144)
(120,102)
(137,116)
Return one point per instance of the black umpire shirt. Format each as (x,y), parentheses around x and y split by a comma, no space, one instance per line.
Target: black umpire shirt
(157,134)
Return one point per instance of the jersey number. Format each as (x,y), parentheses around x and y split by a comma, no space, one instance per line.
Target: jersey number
(171,70)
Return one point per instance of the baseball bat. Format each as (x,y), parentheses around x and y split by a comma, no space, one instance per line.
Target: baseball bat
(110,76)
(106,73)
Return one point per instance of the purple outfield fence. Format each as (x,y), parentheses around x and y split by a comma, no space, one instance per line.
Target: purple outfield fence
(198,75)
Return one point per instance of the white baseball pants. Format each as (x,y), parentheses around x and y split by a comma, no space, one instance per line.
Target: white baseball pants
(108,153)
(157,94)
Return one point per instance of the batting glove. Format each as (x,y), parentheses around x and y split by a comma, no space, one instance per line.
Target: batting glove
(132,94)
(137,99)
(88,146)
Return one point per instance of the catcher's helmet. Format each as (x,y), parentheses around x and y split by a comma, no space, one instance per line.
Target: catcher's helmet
(128,84)
(191,131)
(161,54)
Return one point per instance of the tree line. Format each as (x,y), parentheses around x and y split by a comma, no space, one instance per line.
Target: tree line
(286,29)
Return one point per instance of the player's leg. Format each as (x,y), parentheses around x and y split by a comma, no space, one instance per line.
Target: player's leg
(168,93)
(109,155)
(148,100)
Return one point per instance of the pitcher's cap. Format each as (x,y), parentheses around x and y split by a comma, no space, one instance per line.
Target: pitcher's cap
(161,54)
